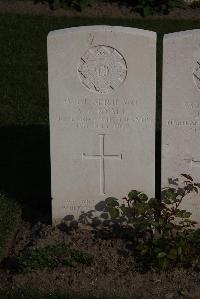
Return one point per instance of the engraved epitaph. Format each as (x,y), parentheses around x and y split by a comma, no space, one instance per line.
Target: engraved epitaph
(102,91)
(181,111)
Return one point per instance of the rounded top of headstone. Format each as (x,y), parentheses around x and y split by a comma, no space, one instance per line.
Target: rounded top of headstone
(106,28)
(182,34)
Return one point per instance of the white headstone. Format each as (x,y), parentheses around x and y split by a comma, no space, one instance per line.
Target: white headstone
(181,111)
(102,93)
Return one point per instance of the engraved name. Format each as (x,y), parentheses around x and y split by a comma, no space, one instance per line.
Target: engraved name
(103,113)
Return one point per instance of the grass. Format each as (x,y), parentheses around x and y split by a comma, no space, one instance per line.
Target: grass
(9,217)
(50,257)
(24,133)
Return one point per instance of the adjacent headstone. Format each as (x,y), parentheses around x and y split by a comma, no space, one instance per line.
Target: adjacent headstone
(102,93)
(181,111)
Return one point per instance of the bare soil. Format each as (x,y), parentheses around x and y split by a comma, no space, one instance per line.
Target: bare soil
(113,271)
(99,10)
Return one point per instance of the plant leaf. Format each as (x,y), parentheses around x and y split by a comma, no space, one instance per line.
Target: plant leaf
(133,194)
(161,255)
(187,176)
(114,213)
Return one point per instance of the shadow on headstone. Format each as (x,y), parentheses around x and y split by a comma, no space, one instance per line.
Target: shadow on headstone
(25,169)
(99,221)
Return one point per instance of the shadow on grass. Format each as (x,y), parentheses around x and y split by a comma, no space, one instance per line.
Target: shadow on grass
(25,169)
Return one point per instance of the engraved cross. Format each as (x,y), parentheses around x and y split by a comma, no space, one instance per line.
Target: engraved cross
(101,157)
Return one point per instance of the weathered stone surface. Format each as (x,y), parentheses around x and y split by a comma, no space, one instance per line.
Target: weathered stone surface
(102,90)
(181,110)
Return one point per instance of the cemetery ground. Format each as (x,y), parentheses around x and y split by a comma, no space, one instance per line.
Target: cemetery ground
(25,212)
(106,8)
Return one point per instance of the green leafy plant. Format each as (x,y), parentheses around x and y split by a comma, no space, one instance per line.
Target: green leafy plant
(163,233)
(151,7)
(50,257)
(75,4)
